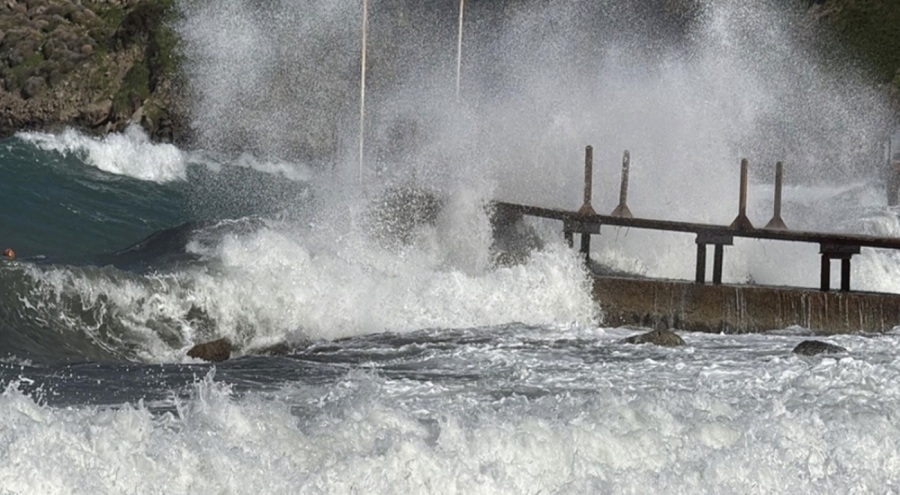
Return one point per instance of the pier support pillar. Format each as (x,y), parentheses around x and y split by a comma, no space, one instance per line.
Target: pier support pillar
(719,241)
(717,263)
(841,252)
(586,228)
(701,263)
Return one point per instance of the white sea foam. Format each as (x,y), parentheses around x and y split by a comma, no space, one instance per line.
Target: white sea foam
(322,282)
(728,414)
(130,153)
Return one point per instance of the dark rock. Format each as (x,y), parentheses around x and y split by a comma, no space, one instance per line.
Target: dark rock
(813,347)
(665,338)
(513,239)
(215,351)
(97,114)
(33,87)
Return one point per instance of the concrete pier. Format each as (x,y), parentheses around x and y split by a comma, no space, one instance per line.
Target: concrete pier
(698,306)
(690,306)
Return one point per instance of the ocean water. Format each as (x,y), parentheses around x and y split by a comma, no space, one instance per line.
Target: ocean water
(407,370)
(376,355)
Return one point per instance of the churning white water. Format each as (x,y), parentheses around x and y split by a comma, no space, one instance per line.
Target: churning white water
(515,409)
(421,367)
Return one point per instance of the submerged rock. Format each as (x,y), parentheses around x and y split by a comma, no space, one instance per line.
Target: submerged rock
(215,351)
(665,338)
(813,347)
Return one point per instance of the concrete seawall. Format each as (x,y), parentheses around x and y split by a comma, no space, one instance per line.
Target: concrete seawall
(741,308)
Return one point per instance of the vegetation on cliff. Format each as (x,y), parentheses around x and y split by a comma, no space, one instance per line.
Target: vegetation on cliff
(94,64)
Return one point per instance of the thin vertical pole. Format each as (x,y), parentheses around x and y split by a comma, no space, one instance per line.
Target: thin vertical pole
(779,174)
(586,208)
(776,222)
(622,210)
(825,277)
(462,7)
(362,87)
(742,206)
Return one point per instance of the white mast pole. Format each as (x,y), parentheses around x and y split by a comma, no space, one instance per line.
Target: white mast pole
(462,6)
(362,87)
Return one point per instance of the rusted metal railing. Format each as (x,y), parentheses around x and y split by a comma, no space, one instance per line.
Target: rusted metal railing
(587,222)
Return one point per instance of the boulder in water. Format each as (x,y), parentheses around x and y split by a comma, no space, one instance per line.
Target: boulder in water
(665,338)
(813,347)
(215,351)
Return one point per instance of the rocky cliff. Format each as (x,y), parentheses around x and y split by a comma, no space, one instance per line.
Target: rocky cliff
(97,65)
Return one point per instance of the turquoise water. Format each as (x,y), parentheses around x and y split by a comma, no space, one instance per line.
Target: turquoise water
(56,205)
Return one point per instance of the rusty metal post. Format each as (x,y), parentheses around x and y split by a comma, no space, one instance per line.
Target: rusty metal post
(586,208)
(776,223)
(742,222)
(622,210)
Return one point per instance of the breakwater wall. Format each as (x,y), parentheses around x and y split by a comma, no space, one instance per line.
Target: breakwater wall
(727,308)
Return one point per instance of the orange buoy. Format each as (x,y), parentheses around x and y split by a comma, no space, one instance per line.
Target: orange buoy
(9,253)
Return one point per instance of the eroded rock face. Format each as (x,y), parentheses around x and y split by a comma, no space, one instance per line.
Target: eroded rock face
(666,338)
(215,351)
(95,65)
(813,347)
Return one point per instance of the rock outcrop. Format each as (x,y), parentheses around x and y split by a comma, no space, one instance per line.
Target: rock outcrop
(96,65)
(215,351)
(666,338)
(813,347)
